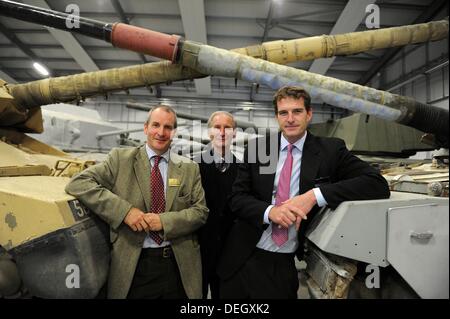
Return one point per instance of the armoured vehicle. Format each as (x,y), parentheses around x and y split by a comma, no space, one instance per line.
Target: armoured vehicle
(52,243)
(394,248)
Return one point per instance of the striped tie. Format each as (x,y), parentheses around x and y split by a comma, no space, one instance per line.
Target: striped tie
(280,234)
(158,199)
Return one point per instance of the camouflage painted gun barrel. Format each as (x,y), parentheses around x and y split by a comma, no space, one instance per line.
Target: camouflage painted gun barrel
(324,46)
(79,86)
(189,116)
(209,60)
(143,40)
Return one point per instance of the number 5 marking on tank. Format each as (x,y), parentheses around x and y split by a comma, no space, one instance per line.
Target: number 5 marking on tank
(78,210)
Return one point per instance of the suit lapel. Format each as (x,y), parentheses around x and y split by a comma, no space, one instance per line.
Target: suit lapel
(310,164)
(175,174)
(142,172)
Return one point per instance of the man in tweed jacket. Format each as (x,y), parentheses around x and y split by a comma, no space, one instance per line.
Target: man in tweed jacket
(119,191)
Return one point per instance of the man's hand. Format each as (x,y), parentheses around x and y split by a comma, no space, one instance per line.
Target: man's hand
(153,221)
(135,219)
(304,203)
(285,215)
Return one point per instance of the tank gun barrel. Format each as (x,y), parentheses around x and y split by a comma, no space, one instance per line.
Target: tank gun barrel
(325,46)
(28,96)
(209,60)
(83,85)
(189,116)
(118,34)
(55,19)
(168,47)
(99,136)
(404,110)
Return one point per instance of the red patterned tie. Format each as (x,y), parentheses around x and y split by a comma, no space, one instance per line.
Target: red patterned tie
(280,234)
(158,199)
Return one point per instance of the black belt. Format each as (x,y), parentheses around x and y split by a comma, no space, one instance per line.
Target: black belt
(164,252)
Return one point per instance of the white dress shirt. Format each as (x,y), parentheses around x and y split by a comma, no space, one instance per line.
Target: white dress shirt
(291,244)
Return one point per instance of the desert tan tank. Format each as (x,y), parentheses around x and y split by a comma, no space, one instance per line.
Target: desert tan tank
(45,230)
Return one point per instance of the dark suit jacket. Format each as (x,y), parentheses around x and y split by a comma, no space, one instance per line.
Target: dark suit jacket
(217,188)
(326,162)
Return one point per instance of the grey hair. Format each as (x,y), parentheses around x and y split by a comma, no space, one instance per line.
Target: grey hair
(166,108)
(211,118)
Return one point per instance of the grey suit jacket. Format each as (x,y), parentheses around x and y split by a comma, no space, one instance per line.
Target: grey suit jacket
(122,181)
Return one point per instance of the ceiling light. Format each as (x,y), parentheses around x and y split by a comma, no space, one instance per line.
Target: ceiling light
(41,69)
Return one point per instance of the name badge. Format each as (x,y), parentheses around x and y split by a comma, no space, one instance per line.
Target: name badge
(174,182)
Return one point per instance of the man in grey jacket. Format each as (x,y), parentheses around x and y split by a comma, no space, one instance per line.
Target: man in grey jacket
(154,202)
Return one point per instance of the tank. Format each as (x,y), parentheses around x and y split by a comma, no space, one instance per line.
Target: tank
(388,248)
(51,245)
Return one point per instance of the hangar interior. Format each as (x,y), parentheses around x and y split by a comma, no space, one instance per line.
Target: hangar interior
(415,165)
(416,70)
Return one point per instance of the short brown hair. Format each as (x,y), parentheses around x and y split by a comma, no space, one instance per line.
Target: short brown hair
(166,108)
(294,92)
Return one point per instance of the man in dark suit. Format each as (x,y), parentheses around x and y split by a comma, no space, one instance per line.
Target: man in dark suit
(274,209)
(218,169)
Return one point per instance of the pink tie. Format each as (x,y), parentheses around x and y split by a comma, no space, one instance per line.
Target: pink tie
(280,235)
(158,199)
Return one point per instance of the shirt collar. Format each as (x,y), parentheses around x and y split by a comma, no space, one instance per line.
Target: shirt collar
(219,158)
(298,144)
(151,153)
